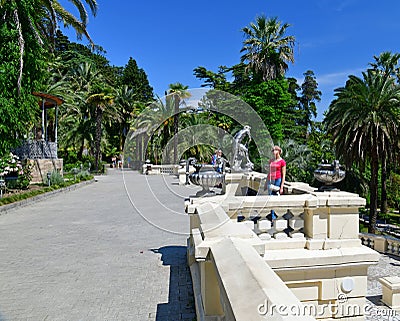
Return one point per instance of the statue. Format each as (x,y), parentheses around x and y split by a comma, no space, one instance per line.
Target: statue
(241,152)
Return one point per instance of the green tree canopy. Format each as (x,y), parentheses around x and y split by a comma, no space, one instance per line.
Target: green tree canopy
(267,49)
(269,99)
(136,79)
(364,121)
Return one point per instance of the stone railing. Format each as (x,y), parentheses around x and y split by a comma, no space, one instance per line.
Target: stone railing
(151,169)
(381,243)
(231,279)
(37,149)
(246,265)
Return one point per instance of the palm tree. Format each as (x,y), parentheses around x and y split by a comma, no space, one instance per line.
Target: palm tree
(387,64)
(126,101)
(267,49)
(177,92)
(364,121)
(298,159)
(89,105)
(101,99)
(200,139)
(78,114)
(155,120)
(39,19)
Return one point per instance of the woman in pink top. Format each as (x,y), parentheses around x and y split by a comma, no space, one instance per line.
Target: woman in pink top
(277,170)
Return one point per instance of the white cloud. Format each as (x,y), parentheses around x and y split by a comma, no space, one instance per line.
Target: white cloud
(335,4)
(337,78)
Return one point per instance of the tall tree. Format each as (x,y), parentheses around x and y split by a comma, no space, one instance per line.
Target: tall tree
(127,103)
(266,48)
(39,19)
(364,121)
(387,64)
(211,79)
(309,95)
(135,78)
(79,84)
(298,159)
(292,114)
(269,99)
(101,98)
(178,92)
(26,31)
(17,106)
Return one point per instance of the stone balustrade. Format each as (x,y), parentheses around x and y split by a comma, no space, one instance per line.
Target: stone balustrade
(381,243)
(243,261)
(151,169)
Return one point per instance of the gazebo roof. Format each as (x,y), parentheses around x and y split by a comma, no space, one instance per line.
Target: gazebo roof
(50,101)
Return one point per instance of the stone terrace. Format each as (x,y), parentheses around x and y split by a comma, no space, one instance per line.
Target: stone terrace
(111,250)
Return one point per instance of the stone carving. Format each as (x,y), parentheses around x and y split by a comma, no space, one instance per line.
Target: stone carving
(240,152)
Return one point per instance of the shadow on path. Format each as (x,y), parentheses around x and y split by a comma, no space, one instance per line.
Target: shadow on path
(375,299)
(180,304)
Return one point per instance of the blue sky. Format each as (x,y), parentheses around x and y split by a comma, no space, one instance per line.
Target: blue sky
(168,39)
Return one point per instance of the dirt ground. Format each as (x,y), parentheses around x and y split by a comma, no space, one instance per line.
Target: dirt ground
(10,192)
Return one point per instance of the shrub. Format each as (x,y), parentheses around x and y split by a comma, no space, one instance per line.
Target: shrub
(10,164)
(25,176)
(55,179)
(83,176)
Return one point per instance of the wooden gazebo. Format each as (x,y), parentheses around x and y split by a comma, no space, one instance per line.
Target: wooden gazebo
(48,101)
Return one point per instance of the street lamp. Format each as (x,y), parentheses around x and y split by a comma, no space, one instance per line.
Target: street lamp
(75,171)
(2,186)
(48,177)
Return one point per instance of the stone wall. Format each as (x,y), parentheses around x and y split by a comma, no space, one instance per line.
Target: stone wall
(43,166)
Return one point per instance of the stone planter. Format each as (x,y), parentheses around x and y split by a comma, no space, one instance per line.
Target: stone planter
(206,176)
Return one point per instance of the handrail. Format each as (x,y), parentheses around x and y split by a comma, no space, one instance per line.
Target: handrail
(37,149)
(381,243)
(152,169)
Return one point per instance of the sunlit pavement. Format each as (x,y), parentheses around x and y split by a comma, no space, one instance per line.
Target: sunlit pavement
(88,254)
(113,250)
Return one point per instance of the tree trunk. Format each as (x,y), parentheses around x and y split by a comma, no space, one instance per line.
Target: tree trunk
(81,148)
(165,137)
(176,124)
(123,134)
(99,117)
(373,213)
(384,203)
(121,137)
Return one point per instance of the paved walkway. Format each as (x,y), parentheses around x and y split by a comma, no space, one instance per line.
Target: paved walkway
(112,250)
(375,310)
(89,254)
